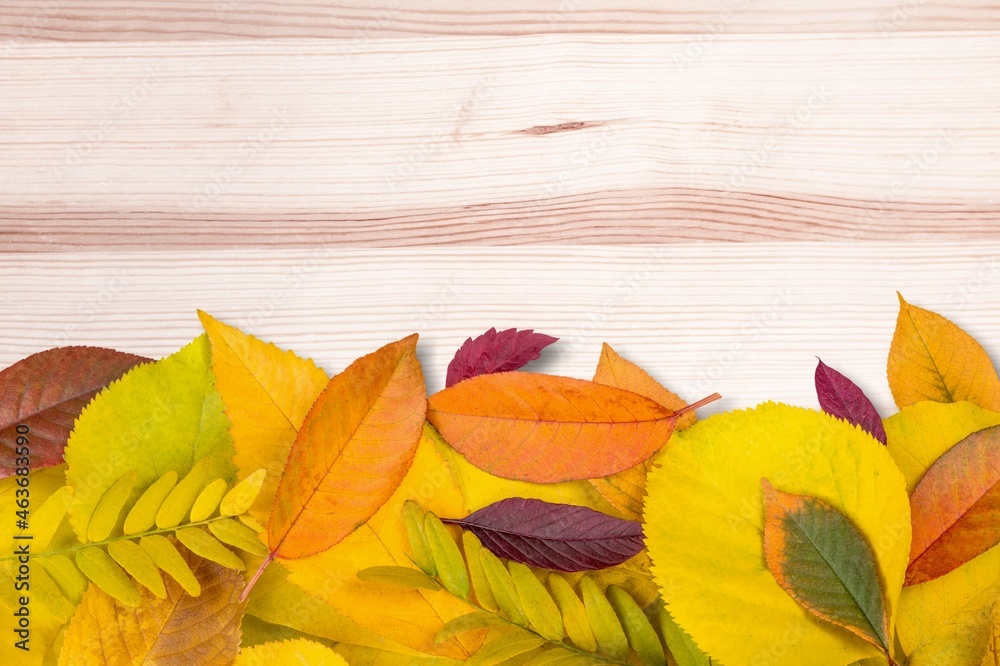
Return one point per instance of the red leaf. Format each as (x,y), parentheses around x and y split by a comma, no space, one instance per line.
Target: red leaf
(46,392)
(496,352)
(840,397)
(554,536)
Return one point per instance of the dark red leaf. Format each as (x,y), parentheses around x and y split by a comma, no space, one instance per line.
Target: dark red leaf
(554,536)
(46,392)
(496,352)
(840,397)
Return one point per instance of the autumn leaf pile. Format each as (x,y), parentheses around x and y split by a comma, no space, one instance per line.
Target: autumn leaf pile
(234,504)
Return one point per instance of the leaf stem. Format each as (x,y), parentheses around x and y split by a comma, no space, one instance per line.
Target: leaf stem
(256,576)
(701,403)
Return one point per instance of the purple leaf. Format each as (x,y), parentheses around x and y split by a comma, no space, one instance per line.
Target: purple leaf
(45,392)
(496,352)
(841,397)
(554,536)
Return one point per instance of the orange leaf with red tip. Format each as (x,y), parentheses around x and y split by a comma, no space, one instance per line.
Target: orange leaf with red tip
(351,453)
(955,508)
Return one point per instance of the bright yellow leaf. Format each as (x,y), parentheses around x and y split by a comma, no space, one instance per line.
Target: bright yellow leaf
(705,520)
(293,652)
(919,434)
(267,393)
(410,617)
(933,359)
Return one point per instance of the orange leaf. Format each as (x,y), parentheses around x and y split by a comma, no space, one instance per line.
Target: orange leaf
(627,490)
(547,429)
(955,508)
(933,359)
(351,453)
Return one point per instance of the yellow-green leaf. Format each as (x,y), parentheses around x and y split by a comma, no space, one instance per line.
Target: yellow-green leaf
(413,518)
(242,496)
(933,359)
(165,555)
(447,557)
(200,542)
(505,647)
(681,647)
(292,652)
(252,523)
(502,585)
(66,575)
(138,564)
(640,633)
(607,627)
(109,508)
(480,586)
(160,416)
(401,576)
(237,534)
(712,560)
(208,500)
(175,508)
(46,591)
(574,615)
(470,622)
(142,516)
(46,519)
(539,607)
(107,575)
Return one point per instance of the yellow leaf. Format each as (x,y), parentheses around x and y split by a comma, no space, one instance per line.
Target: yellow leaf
(626,490)
(242,496)
(539,606)
(166,556)
(180,500)
(946,621)
(46,591)
(919,434)
(641,635)
(352,452)
(410,617)
(413,518)
(179,629)
(98,566)
(292,652)
(208,500)
(933,359)
(402,576)
(502,584)
(447,557)
(109,508)
(573,613)
(704,524)
(267,393)
(202,543)
(607,627)
(64,572)
(992,656)
(142,516)
(139,565)
(46,519)
(237,534)
(506,647)
(477,576)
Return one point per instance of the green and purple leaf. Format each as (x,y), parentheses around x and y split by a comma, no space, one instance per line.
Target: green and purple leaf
(824,562)
(45,392)
(562,537)
(840,397)
(955,509)
(494,351)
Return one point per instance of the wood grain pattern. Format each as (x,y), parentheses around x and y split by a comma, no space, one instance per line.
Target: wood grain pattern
(746,320)
(361,21)
(538,139)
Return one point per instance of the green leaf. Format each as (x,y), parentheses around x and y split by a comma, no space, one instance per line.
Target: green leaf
(142,516)
(158,417)
(573,613)
(200,542)
(502,585)
(505,647)
(164,555)
(237,534)
(175,508)
(413,519)
(539,607)
(242,496)
(138,564)
(447,557)
(480,586)
(107,575)
(208,500)
(399,576)
(824,562)
(109,508)
(603,620)
(640,633)
(682,648)
(469,622)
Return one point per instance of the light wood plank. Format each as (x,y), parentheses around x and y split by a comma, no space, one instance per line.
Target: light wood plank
(746,320)
(489,140)
(361,21)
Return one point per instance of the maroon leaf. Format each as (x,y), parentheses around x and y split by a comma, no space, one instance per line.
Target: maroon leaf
(840,397)
(554,536)
(46,392)
(496,352)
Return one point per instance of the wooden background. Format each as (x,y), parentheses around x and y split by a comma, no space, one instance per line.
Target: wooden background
(722,190)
